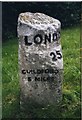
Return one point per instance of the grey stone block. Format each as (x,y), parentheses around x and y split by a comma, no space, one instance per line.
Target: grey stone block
(40,58)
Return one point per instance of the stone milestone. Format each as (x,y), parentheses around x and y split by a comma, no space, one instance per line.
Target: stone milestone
(40,58)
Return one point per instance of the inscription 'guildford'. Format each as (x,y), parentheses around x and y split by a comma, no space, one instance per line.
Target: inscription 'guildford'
(38,39)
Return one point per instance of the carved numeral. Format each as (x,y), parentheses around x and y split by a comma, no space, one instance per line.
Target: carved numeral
(56,55)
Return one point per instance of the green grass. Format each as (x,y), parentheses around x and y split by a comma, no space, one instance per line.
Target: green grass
(70,39)
(71,83)
(10,79)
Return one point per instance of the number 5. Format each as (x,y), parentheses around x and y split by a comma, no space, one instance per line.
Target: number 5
(59,54)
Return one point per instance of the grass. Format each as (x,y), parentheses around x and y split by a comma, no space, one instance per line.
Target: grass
(70,40)
(71,82)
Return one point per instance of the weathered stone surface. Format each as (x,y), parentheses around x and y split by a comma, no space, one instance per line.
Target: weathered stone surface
(40,58)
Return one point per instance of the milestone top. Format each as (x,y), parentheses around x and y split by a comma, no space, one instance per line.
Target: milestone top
(39,35)
(38,20)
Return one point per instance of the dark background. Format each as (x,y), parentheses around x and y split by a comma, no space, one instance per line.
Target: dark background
(67,12)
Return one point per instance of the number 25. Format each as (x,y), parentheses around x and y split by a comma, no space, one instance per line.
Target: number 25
(58,54)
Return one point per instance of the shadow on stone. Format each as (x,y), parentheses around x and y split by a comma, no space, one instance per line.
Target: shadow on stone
(32,109)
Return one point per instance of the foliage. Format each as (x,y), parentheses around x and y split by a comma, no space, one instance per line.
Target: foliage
(70,39)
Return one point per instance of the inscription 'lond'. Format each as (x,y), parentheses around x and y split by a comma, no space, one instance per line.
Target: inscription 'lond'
(38,39)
